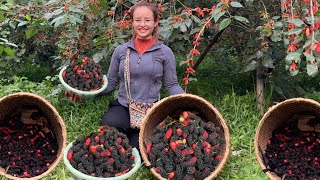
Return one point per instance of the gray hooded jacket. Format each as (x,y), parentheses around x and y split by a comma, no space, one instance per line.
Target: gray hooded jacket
(157,64)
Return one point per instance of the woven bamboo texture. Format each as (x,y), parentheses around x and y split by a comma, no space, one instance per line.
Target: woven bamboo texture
(8,105)
(276,116)
(173,104)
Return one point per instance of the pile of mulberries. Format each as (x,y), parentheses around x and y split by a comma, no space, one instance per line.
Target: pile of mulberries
(292,153)
(185,148)
(84,76)
(26,150)
(106,153)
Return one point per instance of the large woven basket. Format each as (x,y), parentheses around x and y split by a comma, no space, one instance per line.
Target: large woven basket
(276,116)
(8,105)
(172,104)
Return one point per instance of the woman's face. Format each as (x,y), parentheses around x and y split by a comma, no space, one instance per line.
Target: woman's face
(143,22)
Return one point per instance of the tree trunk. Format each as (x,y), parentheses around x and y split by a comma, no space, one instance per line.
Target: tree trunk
(260,90)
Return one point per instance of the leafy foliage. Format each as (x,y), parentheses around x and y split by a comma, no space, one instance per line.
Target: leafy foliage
(298,28)
(65,31)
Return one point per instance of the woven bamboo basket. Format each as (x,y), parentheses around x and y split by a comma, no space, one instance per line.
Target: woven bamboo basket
(8,105)
(172,104)
(276,116)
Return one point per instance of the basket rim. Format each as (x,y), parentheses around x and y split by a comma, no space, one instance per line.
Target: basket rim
(63,128)
(221,120)
(269,112)
(68,87)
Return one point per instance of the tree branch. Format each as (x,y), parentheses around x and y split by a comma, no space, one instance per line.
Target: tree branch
(205,52)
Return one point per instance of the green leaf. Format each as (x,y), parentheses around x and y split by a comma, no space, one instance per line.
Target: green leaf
(100,42)
(76,10)
(224,23)
(241,19)
(317,13)
(51,2)
(197,29)
(31,31)
(309,19)
(220,4)
(1,49)
(165,32)
(297,40)
(181,63)
(39,21)
(57,12)
(74,19)
(296,31)
(236,4)
(2,18)
(94,9)
(292,56)
(58,21)
(218,16)
(176,25)
(188,22)
(309,57)
(48,16)
(183,27)
(312,70)
(28,17)
(278,25)
(97,57)
(259,54)
(195,19)
(5,8)
(286,41)
(252,66)
(9,51)
(75,33)
(216,11)
(13,24)
(267,62)
(297,22)
(306,44)
(276,36)
(22,23)
(276,17)
(293,73)
(259,28)
(104,4)
(185,14)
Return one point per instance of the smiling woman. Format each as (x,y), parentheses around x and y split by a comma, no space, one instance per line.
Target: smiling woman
(139,67)
(145,20)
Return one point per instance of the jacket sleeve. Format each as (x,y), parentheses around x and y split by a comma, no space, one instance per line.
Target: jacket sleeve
(112,74)
(170,73)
